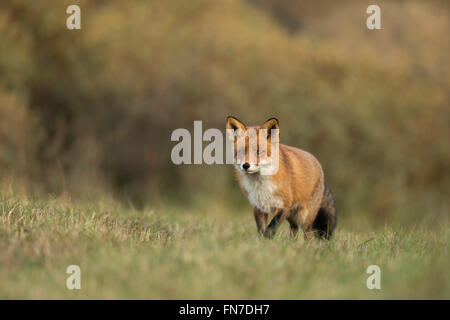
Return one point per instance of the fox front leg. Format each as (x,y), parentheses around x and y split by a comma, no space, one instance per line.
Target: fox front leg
(261,220)
(279,217)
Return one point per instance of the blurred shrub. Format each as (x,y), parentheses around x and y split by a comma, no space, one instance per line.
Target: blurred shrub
(94,109)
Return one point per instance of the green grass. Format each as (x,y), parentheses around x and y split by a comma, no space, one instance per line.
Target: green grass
(152,254)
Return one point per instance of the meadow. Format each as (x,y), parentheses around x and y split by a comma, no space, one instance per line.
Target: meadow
(157,253)
(86,175)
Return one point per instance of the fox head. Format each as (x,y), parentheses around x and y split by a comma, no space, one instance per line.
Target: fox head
(255,147)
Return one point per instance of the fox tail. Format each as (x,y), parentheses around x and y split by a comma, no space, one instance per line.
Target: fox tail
(326,219)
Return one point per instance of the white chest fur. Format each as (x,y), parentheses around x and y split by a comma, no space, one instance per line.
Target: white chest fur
(261,192)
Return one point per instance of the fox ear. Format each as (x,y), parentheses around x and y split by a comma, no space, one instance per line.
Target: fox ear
(235,125)
(272,124)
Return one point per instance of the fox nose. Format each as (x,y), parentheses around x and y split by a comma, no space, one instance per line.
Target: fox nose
(246,166)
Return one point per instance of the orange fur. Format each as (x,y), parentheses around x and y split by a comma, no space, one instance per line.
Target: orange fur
(294,193)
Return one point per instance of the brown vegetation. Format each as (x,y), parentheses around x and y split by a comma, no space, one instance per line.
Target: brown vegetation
(92,110)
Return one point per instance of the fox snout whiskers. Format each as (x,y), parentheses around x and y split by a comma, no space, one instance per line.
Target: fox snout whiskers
(248,168)
(252,168)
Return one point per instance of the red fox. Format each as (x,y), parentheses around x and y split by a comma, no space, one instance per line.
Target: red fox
(296,192)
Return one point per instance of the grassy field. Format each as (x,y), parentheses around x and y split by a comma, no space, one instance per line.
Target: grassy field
(126,253)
